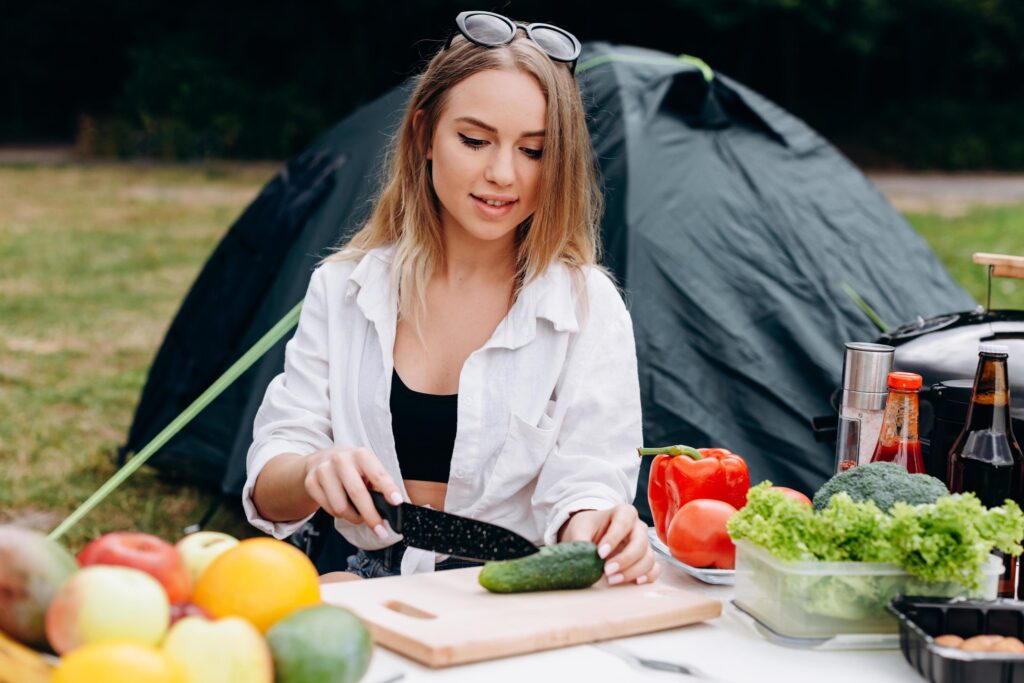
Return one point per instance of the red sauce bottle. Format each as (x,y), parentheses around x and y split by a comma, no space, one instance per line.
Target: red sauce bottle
(897,442)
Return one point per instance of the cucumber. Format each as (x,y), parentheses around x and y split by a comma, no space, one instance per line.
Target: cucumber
(554,567)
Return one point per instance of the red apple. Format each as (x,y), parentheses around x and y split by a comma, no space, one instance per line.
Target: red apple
(187,609)
(151,554)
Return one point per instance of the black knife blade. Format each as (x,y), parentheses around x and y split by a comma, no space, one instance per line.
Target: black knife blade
(450,534)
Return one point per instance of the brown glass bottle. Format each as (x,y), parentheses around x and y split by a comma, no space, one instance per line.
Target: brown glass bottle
(986,458)
(898,442)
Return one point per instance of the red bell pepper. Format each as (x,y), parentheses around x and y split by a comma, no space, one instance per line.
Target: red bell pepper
(680,474)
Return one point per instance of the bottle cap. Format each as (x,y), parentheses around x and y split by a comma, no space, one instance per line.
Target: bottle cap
(904,381)
(866,365)
(994,349)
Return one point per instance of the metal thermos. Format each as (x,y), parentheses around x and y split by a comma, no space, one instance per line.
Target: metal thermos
(865,369)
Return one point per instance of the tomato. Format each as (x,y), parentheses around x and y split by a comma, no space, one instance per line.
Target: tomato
(792,493)
(697,534)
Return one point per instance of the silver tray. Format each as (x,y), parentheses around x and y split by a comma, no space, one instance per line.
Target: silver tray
(718,577)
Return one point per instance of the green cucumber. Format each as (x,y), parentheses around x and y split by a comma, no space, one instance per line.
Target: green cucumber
(554,567)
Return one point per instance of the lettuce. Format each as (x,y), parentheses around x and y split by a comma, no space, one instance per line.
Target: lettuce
(946,541)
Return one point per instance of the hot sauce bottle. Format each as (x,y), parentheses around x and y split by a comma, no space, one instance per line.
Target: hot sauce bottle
(986,458)
(897,442)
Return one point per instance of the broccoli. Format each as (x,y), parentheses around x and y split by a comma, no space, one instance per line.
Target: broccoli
(885,483)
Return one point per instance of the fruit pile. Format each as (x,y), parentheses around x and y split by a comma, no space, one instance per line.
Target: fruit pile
(134,608)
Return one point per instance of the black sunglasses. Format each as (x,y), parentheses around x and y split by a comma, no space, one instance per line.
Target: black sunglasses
(488,29)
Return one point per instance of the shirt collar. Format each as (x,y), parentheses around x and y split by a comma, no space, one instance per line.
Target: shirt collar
(552,296)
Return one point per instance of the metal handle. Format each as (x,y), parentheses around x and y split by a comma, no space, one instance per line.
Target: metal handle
(392,513)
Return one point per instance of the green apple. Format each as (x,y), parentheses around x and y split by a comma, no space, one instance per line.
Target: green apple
(105,602)
(228,650)
(201,548)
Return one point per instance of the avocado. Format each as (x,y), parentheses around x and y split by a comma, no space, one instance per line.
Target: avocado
(554,567)
(320,644)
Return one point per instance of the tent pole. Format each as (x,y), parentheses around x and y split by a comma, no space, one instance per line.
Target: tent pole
(283,326)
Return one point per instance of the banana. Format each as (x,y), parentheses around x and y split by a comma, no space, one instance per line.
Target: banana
(19,664)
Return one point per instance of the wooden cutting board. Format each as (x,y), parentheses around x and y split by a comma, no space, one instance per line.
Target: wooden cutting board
(447,618)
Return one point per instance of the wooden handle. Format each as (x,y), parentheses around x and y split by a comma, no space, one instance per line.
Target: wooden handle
(1003,265)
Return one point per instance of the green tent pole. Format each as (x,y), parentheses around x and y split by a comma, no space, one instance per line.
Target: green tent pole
(257,350)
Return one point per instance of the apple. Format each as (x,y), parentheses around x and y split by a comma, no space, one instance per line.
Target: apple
(147,552)
(107,603)
(181,610)
(198,550)
(228,650)
(32,570)
(791,493)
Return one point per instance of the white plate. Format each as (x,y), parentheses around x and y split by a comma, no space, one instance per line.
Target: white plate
(721,577)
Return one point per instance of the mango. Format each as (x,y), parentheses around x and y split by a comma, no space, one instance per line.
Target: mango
(32,569)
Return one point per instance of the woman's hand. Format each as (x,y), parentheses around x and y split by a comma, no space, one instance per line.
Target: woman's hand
(621,538)
(336,478)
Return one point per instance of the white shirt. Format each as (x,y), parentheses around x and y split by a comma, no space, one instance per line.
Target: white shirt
(548,417)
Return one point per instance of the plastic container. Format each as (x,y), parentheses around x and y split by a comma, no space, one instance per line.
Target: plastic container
(921,619)
(827,599)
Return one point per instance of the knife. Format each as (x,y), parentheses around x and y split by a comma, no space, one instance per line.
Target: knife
(450,534)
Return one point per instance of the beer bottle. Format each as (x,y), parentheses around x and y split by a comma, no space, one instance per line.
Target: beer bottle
(898,442)
(986,458)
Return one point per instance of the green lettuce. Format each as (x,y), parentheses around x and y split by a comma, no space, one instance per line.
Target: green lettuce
(946,541)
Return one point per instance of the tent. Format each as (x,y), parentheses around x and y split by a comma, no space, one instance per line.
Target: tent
(734,229)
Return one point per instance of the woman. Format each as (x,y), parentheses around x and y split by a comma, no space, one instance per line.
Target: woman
(464,351)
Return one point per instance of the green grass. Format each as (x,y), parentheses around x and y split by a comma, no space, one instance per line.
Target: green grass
(995,229)
(96,260)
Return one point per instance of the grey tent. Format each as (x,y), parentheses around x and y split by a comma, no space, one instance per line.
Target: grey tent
(732,227)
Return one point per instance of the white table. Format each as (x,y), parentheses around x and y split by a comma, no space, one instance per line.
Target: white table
(727,649)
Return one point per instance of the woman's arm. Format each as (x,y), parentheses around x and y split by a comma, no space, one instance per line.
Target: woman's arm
(586,485)
(279,493)
(292,423)
(293,486)
(293,466)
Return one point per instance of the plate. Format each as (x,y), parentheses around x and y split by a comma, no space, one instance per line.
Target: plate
(718,577)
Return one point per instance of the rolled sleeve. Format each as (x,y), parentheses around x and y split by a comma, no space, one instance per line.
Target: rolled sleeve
(594,464)
(295,414)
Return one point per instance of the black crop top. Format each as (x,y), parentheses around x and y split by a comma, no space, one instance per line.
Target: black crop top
(424,430)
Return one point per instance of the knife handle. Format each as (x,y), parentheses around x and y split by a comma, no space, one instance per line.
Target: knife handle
(392,513)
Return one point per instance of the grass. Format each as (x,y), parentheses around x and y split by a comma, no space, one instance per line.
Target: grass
(995,229)
(96,260)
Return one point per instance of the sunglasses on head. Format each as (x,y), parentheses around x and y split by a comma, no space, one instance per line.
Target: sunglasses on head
(488,29)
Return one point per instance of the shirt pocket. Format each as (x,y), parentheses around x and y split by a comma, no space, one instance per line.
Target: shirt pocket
(525,449)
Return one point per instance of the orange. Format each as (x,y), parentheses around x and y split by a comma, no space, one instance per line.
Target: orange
(117,662)
(260,579)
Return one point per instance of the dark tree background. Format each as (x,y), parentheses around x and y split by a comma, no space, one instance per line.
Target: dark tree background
(917,83)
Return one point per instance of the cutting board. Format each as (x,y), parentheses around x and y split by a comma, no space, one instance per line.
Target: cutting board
(448,618)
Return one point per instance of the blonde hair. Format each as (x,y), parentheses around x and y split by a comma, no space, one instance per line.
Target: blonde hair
(564,227)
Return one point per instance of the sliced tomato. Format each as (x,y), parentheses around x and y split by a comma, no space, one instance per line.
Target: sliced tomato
(698,537)
(792,493)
